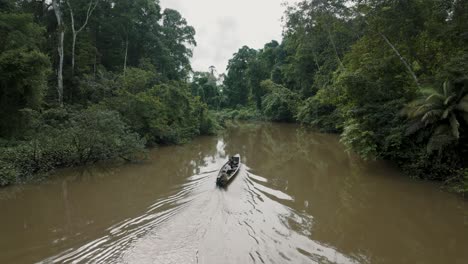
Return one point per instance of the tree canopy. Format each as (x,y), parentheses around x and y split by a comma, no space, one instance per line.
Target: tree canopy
(390,76)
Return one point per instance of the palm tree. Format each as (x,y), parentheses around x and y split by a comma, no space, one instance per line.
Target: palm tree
(443,110)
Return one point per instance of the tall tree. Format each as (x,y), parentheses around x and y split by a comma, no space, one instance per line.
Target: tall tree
(179,38)
(91,6)
(236,82)
(23,68)
(61,32)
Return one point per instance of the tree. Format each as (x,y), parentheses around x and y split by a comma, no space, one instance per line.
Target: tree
(23,69)
(61,31)
(204,85)
(444,111)
(179,38)
(280,104)
(92,5)
(260,69)
(236,84)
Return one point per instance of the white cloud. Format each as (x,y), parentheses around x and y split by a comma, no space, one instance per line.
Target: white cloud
(223,26)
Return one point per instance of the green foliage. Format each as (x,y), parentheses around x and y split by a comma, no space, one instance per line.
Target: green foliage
(177,34)
(241,114)
(236,83)
(357,138)
(23,69)
(459,182)
(352,66)
(280,104)
(260,69)
(8,173)
(94,89)
(205,86)
(163,114)
(126,88)
(444,111)
(324,117)
(137,80)
(63,138)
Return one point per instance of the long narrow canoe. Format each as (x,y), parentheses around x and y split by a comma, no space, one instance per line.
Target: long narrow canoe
(229,170)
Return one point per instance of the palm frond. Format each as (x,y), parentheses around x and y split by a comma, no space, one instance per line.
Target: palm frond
(417,111)
(436,98)
(447,112)
(411,107)
(441,138)
(442,129)
(463,106)
(464,99)
(449,99)
(432,116)
(438,142)
(414,126)
(448,88)
(428,91)
(455,125)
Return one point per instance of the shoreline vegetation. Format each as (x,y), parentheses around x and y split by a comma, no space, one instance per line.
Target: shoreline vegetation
(118,84)
(390,77)
(86,80)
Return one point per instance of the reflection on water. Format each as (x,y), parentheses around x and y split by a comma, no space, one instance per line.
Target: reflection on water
(299,198)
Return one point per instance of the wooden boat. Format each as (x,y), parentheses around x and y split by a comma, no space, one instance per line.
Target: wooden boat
(229,170)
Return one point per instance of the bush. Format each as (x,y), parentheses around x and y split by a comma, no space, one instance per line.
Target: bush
(243,114)
(97,134)
(88,136)
(323,117)
(209,125)
(459,183)
(280,104)
(358,139)
(165,114)
(8,173)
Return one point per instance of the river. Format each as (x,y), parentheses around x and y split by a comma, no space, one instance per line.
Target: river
(299,198)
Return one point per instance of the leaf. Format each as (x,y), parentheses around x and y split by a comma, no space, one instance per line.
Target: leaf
(442,129)
(464,99)
(449,99)
(435,97)
(419,111)
(438,142)
(462,106)
(455,126)
(447,112)
(432,116)
(414,127)
(448,88)
(428,91)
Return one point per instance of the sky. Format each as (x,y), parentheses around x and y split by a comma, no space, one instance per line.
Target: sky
(224,26)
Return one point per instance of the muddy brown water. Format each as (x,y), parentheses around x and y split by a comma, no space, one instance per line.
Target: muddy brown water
(299,198)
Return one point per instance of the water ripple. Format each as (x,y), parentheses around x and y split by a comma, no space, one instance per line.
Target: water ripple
(203,224)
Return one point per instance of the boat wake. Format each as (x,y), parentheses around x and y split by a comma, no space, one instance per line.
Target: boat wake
(247,222)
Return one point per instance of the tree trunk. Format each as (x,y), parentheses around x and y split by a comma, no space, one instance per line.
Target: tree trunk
(73,54)
(61,28)
(125,59)
(75,32)
(334,48)
(402,59)
(60,69)
(95,62)
(408,67)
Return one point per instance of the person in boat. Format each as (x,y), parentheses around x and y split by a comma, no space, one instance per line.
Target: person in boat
(230,165)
